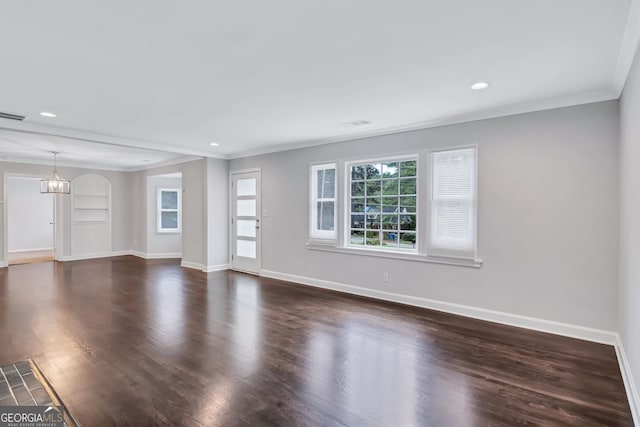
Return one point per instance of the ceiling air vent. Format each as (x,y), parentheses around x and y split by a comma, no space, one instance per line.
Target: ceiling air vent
(356,123)
(11,116)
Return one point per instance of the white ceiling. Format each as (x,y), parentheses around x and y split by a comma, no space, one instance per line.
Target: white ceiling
(259,76)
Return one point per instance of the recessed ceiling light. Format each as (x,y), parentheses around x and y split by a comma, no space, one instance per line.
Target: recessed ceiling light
(479,85)
(48,114)
(213,144)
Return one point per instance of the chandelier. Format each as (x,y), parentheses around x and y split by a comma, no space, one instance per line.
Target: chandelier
(55,183)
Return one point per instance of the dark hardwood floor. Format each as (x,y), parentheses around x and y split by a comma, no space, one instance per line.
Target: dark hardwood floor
(131,342)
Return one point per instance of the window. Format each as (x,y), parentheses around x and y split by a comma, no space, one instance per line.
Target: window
(382,200)
(453,203)
(169,216)
(323,201)
(419,207)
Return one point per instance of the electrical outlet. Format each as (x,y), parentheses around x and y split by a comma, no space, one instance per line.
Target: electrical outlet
(385,277)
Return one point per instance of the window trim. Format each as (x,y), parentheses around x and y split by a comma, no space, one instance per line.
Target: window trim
(430,251)
(417,257)
(346,202)
(327,236)
(159,210)
(424,180)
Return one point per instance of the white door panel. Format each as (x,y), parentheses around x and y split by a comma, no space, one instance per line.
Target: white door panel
(245,222)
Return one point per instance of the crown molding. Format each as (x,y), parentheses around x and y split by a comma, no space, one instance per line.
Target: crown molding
(87,165)
(511,110)
(514,109)
(177,161)
(628,48)
(81,135)
(68,164)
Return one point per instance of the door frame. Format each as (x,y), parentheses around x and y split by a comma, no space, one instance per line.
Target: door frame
(258,214)
(57,242)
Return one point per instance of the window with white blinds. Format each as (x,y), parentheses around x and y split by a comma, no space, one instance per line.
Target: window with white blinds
(453,203)
(323,207)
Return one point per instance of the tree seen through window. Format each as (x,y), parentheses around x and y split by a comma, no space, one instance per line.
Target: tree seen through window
(383,201)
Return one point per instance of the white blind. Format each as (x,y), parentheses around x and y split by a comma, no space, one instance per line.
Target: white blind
(453,203)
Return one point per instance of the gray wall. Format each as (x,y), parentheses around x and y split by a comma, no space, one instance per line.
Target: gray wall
(217,212)
(30,215)
(548,216)
(630,220)
(160,243)
(194,208)
(120,184)
(137,205)
(194,212)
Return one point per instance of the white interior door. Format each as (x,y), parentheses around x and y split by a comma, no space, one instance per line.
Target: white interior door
(245,222)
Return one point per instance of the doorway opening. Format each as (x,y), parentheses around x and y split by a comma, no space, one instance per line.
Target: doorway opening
(30,220)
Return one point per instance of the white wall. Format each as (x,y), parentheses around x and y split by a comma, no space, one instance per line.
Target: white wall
(30,215)
(160,243)
(630,223)
(548,216)
(121,197)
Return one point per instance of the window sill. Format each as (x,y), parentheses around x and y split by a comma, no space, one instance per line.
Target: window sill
(316,241)
(331,247)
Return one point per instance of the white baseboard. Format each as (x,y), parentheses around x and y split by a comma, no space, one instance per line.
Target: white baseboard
(94,255)
(155,255)
(17,251)
(4,264)
(629,384)
(206,269)
(138,254)
(220,267)
(542,325)
(120,253)
(193,265)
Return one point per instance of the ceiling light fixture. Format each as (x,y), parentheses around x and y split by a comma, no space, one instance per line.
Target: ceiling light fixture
(55,184)
(479,86)
(213,144)
(48,114)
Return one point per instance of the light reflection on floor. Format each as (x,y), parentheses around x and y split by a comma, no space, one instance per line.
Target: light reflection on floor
(247,328)
(374,368)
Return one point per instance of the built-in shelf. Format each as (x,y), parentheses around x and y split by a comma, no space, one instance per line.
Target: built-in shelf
(90,208)
(90,215)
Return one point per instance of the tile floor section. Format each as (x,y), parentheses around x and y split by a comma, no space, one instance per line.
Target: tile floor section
(20,387)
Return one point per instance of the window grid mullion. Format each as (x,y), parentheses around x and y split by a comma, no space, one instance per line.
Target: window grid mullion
(373,214)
